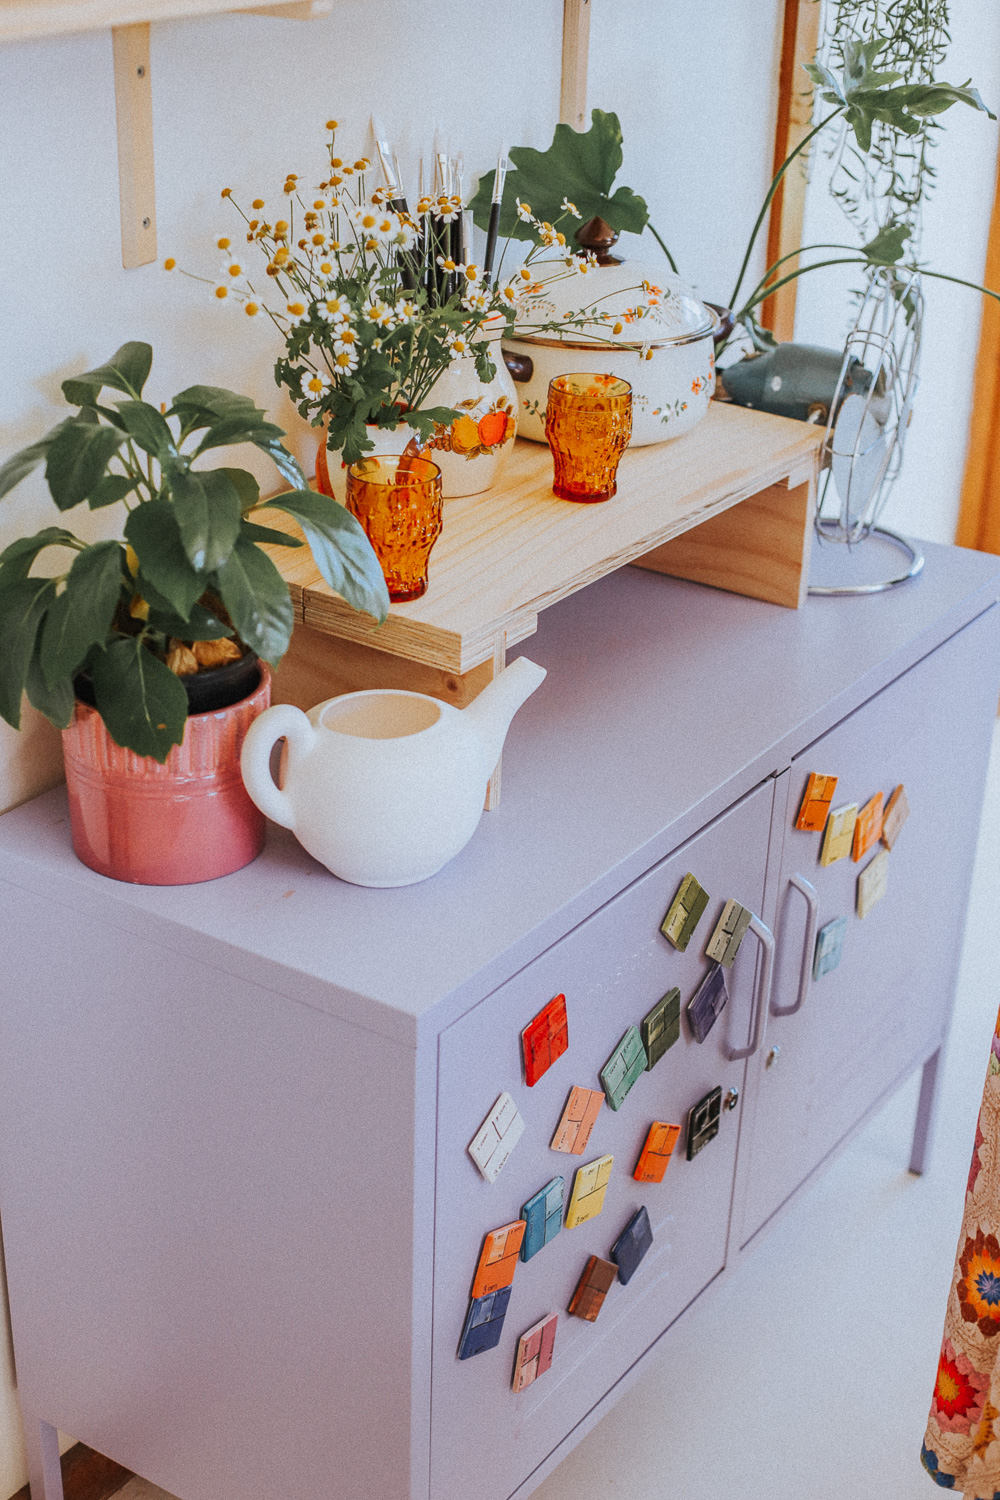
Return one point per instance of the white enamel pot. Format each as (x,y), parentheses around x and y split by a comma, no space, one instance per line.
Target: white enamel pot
(667,356)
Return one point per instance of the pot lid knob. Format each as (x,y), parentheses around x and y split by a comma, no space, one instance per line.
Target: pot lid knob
(598,236)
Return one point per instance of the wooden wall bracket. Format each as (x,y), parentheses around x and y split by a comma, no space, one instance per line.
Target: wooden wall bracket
(134,115)
(575,51)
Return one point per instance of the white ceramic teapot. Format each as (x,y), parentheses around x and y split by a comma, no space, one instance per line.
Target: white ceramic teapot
(384,787)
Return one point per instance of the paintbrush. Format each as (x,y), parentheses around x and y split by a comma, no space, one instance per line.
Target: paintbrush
(397,202)
(495,203)
(458,226)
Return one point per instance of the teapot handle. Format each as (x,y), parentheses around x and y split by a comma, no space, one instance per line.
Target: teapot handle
(281,722)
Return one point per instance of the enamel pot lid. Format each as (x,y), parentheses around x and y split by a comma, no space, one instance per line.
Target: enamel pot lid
(614,287)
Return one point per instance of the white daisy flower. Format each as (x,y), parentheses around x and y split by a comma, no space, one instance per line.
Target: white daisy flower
(347,338)
(570,208)
(366,219)
(298,312)
(459,345)
(345,360)
(223,293)
(447,209)
(315,383)
(335,310)
(524,212)
(405,310)
(476,302)
(405,237)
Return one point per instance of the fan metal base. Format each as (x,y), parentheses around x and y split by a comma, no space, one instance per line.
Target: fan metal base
(864,555)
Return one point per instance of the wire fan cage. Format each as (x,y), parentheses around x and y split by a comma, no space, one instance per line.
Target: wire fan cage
(869,415)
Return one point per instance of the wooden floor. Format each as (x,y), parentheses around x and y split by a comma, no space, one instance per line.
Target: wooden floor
(90,1476)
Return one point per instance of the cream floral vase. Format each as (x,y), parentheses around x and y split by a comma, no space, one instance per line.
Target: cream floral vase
(470,453)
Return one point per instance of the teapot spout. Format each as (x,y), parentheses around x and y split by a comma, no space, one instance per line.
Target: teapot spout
(490,714)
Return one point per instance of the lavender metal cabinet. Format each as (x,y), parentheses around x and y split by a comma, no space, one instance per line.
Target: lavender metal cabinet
(239,1216)
(612,970)
(862,1027)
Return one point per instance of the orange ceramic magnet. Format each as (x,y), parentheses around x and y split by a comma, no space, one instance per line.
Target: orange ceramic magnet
(498,1258)
(815,803)
(897,810)
(868,828)
(545,1039)
(573,1131)
(656,1153)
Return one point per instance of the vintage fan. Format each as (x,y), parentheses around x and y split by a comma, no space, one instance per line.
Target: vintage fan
(866,427)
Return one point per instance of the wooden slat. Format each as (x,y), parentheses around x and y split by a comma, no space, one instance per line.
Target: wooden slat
(21,19)
(760,548)
(134,114)
(516,550)
(794,120)
(575,53)
(87,1476)
(979,516)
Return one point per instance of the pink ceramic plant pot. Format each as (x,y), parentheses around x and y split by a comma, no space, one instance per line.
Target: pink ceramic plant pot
(187,820)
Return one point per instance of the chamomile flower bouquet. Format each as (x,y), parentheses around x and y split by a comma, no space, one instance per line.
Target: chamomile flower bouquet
(375,304)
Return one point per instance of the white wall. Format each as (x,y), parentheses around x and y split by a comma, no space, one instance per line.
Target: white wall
(925,500)
(241,100)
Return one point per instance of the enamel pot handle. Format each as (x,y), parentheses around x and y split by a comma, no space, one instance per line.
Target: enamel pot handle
(281,722)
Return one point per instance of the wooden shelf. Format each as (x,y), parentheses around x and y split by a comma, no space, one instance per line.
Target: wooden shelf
(24,19)
(506,555)
(730,504)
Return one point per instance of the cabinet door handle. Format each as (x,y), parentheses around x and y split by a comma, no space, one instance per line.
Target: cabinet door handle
(807,889)
(765,937)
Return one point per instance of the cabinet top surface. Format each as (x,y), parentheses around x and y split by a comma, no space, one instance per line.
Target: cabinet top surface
(664,702)
(505,555)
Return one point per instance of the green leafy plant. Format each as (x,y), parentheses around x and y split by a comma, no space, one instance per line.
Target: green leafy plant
(579,166)
(189,568)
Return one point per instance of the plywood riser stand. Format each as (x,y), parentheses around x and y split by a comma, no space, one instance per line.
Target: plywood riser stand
(729,504)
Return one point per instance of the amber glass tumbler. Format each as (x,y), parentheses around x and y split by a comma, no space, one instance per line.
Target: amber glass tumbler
(588,422)
(397,499)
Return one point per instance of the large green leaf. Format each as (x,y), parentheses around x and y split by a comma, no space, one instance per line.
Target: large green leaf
(580,166)
(887,247)
(287,466)
(214,403)
(21,464)
(77,458)
(16,560)
(202,625)
(146,426)
(55,702)
(81,615)
(126,370)
(245,486)
(109,490)
(269,536)
(256,596)
(153,531)
(207,506)
(142,703)
(340,547)
(22,606)
(229,430)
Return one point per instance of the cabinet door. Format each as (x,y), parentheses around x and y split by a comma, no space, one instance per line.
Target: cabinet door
(865,1023)
(612,969)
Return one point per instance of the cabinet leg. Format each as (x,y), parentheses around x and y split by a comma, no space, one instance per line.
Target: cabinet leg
(41,1441)
(926,1108)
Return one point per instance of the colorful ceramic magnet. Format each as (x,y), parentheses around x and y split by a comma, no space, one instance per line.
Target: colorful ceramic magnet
(730,930)
(543,1216)
(577,1121)
(534,1352)
(872,882)
(654,1158)
(815,803)
(661,1027)
(498,1258)
(703,1122)
(685,913)
(897,810)
(589,1187)
(483,1323)
(544,1039)
(829,946)
(626,1063)
(707,1003)
(496,1137)
(597,1280)
(868,828)
(839,834)
(631,1245)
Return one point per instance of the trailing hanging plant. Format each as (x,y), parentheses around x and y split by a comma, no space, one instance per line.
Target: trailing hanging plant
(190,567)
(890,182)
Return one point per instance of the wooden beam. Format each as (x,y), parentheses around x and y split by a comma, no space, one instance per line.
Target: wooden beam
(800,38)
(134,112)
(979,516)
(575,51)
